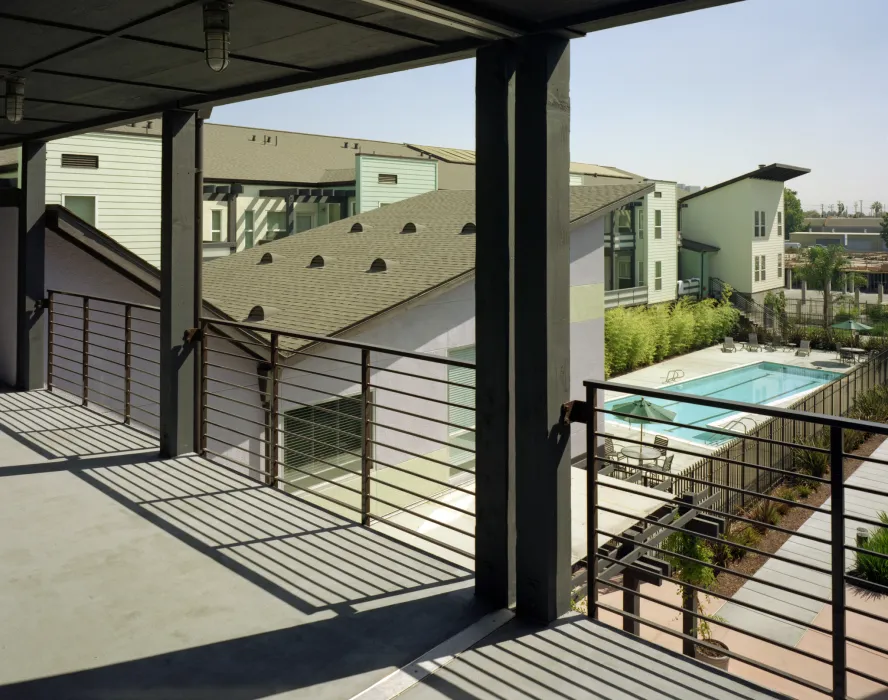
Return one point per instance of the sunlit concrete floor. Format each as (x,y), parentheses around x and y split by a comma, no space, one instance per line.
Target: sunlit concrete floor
(127,576)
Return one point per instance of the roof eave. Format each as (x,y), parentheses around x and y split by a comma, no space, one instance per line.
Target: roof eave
(606,209)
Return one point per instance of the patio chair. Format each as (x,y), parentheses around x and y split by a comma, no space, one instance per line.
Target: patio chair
(753,344)
(804,348)
(728,345)
(844,354)
(662,444)
(612,454)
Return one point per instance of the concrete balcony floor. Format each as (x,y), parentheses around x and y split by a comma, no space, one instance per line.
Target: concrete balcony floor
(127,576)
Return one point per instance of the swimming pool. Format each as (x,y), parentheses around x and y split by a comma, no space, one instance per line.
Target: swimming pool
(761,383)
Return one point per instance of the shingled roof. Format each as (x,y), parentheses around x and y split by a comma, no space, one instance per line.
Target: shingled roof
(329,294)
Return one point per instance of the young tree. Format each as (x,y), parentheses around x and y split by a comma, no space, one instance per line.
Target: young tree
(840,209)
(877,208)
(792,211)
(821,265)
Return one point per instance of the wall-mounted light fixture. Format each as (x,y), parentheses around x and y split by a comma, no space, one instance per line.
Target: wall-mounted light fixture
(15,99)
(216,22)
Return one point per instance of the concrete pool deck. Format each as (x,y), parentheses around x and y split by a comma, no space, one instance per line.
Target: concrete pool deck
(704,362)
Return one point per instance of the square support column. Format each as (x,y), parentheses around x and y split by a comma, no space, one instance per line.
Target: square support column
(30,345)
(179,293)
(494,381)
(542,326)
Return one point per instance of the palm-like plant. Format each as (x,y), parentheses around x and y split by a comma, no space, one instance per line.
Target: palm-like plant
(877,208)
(822,265)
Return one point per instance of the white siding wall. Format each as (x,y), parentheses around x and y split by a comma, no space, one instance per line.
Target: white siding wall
(415,176)
(126,185)
(724,218)
(766,196)
(8,293)
(664,249)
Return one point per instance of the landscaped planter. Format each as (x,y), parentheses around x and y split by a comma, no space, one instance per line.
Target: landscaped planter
(712,657)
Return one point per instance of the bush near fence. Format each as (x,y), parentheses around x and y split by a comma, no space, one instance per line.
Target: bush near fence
(746,463)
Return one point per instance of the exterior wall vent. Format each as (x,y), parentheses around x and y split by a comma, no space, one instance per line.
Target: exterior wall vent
(469,227)
(319,261)
(76,160)
(387,179)
(261,313)
(269,257)
(380,265)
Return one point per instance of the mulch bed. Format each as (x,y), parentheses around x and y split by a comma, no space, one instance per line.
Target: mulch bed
(727,585)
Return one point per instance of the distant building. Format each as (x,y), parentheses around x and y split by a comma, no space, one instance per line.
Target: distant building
(861,234)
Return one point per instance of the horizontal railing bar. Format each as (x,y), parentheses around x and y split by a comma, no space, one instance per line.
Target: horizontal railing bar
(150,335)
(436,359)
(741,407)
(314,458)
(866,645)
(421,376)
(422,398)
(228,398)
(862,519)
(726,652)
(76,373)
(93,390)
(258,343)
(316,391)
(241,464)
(878,555)
(319,407)
(713,511)
(866,489)
(146,347)
(253,389)
(724,487)
(423,437)
(871,585)
(261,424)
(231,369)
(141,407)
(321,357)
(55,347)
(426,458)
(402,509)
(439,543)
(283,431)
(867,676)
(155,400)
(91,297)
(717,431)
(419,415)
(236,447)
(349,380)
(721,596)
(709,538)
(715,458)
(57,335)
(319,478)
(445,484)
(424,498)
(264,441)
(866,613)
(59,324)
(238,355)
(715,567)
(720,623)
(147,386)
(107,375)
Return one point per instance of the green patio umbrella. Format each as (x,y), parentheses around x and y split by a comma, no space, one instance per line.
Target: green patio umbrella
(641,411)
(851,325)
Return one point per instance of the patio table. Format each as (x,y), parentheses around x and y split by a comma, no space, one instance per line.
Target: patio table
(642,453)
(856,352)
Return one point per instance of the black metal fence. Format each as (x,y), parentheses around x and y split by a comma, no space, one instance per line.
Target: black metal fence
(681,537)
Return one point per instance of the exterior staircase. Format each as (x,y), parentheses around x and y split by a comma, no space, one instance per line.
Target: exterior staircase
(757,314)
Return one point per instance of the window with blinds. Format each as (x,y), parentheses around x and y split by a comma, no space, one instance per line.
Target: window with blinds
(323,440)
(461,415)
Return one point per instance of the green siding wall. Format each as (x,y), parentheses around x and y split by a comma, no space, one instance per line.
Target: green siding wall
(415,176)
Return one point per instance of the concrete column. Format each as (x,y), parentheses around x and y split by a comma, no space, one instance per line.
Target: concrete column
(804,291)
(827,293)
(30,345)
(179,293)
(494,381)
(789,278)
(291,226)
(542,326)
(857,297)
(847,282)
(881,292)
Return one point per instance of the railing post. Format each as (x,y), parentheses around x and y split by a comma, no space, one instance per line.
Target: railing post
(127,362)
(275,408)
(592,502)
(204,398)
(50,357)
(84,355)
(366,436)
(837,537)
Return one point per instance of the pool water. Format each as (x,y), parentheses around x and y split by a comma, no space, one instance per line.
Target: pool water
(760,383)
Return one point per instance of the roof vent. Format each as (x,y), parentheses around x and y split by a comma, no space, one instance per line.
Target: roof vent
(261,313)
(319,261)
(345,144)
(355,145)
(269,257)
(357,227)
(469,227)
(409,227)
(380,265)
(762,165)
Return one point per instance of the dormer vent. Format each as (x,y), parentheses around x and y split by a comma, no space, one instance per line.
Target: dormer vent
(468,227)
(269,258)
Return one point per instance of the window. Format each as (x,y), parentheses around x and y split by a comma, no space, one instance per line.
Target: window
(316,437)
(640,281)
(83,206)
(75,160)
(249,219)
(779,265)
(658,276)
(639,222)
(624,269)
(757,268)
(387,179)
(658,223)
(779,223)
(216,226)
(276,223)
(303,222)
(759,224)
(658,195)
(461,391)
(763,268)
(755,229)
(353,207)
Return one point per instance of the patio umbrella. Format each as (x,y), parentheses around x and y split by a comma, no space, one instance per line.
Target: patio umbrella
(851,325)
(641,411)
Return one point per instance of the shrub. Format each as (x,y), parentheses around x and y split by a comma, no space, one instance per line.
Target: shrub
(871,405)
(871,567)
(725,551)
(804,490)
(877,312)
(811,462)
(767,512)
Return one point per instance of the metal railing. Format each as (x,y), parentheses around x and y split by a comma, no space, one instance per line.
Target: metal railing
(383,436)
(106,352)
(633,296)
(693,527)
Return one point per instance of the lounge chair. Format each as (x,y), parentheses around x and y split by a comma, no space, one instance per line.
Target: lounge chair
(804,348)
(753,344)
(728,345)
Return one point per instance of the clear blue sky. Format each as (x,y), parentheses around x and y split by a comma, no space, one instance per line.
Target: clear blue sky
(696,98)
